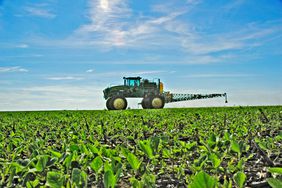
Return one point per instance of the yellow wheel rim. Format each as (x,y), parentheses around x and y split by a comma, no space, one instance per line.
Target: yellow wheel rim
(157,102)
(119,104)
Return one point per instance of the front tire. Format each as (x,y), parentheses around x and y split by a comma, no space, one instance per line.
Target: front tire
(108,104)
(117,103)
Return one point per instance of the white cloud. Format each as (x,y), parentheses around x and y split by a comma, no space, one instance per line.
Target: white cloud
(40,10)
(22,46)
(11,45)
(233,4)
(65,78)
(149,72)
(52,97)
(110,21)
(104,13)
(130,73)
(193,2)
(12,69)
(112,24)
(220,75)
(251,36)
(90,70)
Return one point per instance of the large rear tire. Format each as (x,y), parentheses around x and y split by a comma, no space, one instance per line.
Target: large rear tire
(117,103)
(157,102)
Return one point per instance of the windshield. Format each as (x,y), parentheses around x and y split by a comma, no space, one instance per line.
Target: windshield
(133,83)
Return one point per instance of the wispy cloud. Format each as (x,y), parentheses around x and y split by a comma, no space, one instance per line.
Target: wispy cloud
(40,10)
(22,46)
(11,45)
(234,4)
(12,69)
(220,75)
(111,25)
(52,97)
(106,18)
(65,78)
(131,73)
(90,70)
(193,2)
(148,72)
(251,36)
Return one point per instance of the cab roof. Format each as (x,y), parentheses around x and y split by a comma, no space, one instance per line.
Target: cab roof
(132,78)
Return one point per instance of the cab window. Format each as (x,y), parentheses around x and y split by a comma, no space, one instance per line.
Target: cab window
(133,83)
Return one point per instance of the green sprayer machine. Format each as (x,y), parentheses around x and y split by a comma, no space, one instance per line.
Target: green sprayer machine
(154,97)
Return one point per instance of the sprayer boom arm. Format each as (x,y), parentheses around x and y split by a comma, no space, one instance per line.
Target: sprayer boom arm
(175,97)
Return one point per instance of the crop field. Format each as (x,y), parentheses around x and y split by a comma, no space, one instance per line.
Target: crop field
(194,147)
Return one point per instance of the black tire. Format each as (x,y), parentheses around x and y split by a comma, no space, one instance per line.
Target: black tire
(156,102)
(118,103)
(108,104)
(145,103)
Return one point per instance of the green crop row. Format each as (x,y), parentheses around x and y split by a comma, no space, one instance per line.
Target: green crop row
(197,148)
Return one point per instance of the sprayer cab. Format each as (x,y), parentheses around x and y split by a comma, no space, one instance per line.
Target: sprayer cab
(132,81)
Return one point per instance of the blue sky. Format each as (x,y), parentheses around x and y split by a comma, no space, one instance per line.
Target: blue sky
(60,55)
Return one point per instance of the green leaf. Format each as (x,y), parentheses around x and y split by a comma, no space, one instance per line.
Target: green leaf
(239,179)
(135,183)
(17,166)
(41,163)
(154,143)
(31,184)
(166,153)
(78,178)
(274,183)
(75,176)
(74,147)
(11,175)
(235,147)
(133,161)
(227,184)
(277,170)
(67,161)
(83,176)
(109,179)
(116,165)
(190,145)
(212,140)
(262,146)
(84,149)
(226,136)
(240,164)
(124,151)
(56,154)
(203,180)
(94,149)
(55,180)
(52,161)
(146,148)
(96,164)
(107,166)
(148,180)
(215,160)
